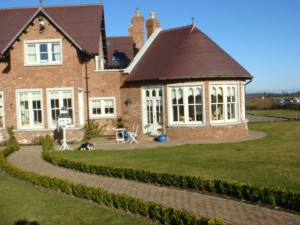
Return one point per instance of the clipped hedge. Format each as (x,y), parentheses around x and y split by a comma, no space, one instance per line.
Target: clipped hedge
(250,193)
(151,210)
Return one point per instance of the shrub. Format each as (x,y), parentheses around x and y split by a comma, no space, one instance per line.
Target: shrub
(93,130)
(151,210)
(12,142)
(284,199)
(48,142)
(39,140)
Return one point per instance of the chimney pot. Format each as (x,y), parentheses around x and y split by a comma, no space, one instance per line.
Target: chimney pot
(137,12)
(152,24)
(152,15)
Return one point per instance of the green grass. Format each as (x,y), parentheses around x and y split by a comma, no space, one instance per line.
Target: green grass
(277,113)
(21,202)
(273,161)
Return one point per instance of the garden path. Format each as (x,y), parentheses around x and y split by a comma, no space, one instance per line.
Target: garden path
(231,211)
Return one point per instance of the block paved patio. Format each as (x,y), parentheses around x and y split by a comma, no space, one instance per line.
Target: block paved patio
(231,211)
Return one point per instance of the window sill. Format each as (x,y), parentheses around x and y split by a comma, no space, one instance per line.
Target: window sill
(222,123)
(44,129)
(187,125)
(102,117)
(43,64)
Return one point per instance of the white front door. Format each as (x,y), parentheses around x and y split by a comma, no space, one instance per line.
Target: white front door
(152,109)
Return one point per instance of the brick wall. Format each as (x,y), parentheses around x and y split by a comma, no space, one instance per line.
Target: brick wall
(67,75)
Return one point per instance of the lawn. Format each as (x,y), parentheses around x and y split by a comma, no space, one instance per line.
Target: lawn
(277,113)
(273,161)
(21,203)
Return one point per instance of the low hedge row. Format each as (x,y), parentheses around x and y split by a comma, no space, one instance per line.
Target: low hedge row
(150,210)
(251,193)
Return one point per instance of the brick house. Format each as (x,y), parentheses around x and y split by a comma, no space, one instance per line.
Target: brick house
(52,57)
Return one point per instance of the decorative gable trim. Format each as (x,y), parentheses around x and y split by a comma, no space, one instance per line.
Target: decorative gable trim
(20,32)
(52,21)
(142,51)
(63,31)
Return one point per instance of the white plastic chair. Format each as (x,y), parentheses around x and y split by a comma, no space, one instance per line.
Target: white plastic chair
(133,135)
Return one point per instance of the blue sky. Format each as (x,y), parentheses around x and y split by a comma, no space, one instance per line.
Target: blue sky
(262,35)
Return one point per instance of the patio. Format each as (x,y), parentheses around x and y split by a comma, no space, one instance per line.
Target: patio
(110,143)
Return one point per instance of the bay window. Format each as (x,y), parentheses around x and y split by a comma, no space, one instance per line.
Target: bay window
(186,104)
(223,103)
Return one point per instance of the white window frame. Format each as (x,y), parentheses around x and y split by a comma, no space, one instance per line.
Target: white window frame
(102,115)
(60,93)
(222,118)
(2,116)
(185,87)
(30,93)
(37,53)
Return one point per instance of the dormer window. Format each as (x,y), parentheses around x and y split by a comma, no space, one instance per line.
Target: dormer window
(43,52)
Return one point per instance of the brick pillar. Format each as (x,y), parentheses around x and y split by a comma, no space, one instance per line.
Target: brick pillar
(136,29)
(152,24)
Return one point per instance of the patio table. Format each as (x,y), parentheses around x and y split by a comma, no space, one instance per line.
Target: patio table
(120,134)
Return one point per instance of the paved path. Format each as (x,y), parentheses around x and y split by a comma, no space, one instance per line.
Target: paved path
(234,212)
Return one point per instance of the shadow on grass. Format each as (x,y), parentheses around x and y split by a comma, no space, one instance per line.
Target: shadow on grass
(25,222)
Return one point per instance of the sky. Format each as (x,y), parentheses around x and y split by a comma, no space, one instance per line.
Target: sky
(262,35)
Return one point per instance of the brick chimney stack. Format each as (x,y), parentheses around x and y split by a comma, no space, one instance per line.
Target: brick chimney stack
(136,29)
(152,24)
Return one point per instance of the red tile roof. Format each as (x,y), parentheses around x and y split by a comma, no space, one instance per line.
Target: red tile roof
(11,22)
(81,23)
(185,53)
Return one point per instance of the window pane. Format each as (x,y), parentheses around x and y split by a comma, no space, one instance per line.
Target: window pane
(199,113)
(31,54)
(56,52)
(180,96)
(44,52)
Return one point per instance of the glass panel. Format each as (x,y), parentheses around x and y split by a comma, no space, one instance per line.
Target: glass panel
(44,52)
(24,109)
(56,52)
(175,113)
(220,95)
(55,107)
(153,93)
(160,92)
(147,93)
(199,113)
(181,112)
(180,96)
(158,111)
(191,113)
(96,107)
(198,96)
(31,53)
(213,95)
(109,109)
(214,112)
(149,104)
(191,96)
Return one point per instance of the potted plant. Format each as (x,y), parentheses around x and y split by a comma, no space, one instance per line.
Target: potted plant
(162,137)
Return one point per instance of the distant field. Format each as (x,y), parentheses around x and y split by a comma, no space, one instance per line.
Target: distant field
(277,113)
(273,161)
